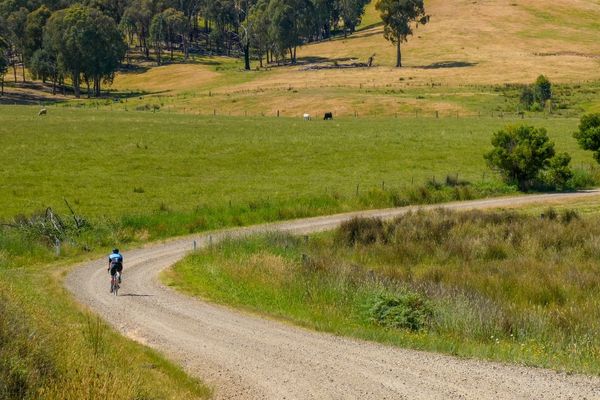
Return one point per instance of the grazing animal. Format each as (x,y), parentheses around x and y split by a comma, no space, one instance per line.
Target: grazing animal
(328,115)
(306,117)
(43,111)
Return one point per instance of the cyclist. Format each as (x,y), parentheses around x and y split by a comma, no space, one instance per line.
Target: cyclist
(115,263)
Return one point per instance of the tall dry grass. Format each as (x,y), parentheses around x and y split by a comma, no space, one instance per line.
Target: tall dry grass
(498,285)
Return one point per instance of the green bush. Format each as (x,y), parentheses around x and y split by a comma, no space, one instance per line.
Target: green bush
(407,310)
(527,97)
(520,152)
(542,90)
(588,135)
(558,174)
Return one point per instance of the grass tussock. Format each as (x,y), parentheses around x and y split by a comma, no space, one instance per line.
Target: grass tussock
(498,285)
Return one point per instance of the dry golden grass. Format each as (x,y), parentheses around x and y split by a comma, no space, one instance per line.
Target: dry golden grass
(482,42)
(466,43)
(174,77)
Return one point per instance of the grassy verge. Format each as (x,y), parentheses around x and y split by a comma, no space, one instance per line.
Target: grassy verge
(498,285)
(52,349)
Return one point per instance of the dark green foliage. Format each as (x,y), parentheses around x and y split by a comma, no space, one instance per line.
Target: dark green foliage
(398,16)
(34,32)
(588,135)
(408,310)
(350,13)
(542,89)
(558,173)
(87,43)
(535,97)
(291,24)
(520,153)
(3,60)
(527,97)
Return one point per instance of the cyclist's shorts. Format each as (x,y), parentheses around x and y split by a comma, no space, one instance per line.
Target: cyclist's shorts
(117,267)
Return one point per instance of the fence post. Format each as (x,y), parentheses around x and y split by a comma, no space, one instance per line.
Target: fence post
(357,186)
(57,247)
(194,245)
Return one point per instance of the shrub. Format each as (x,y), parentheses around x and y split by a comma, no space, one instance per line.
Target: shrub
(558,174)
(361,231)
(520,153)
(407,310)
(527,97)
(588,135)
(542,89)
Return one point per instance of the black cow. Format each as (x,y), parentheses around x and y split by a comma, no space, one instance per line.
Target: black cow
(328,115)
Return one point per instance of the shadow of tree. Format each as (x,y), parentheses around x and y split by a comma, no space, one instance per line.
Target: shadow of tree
(447,64)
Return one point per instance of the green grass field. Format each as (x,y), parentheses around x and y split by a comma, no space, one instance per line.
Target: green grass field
(137,176)
(496,285)
(129,163)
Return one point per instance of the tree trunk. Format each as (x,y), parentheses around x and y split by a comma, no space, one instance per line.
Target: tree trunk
(23,68)
(398,55)
(247,56)
(2,85)
(15,70)
(54,85)
(97,86)
(76,85)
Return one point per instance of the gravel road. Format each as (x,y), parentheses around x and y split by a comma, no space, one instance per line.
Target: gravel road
(246,357)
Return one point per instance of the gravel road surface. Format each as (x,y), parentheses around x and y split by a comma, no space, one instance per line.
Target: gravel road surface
(247,357)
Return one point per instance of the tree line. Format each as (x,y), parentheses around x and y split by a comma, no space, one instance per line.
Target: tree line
(87,41)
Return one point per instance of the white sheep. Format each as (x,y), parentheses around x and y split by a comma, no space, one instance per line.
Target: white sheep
(43,111)
(306,117)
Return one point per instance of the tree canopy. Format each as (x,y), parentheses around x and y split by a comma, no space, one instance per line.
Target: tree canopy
(398,18)
(86,43)
(520,153)
(87,40)
(588,135)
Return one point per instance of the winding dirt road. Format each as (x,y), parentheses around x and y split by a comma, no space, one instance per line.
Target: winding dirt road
(247,357)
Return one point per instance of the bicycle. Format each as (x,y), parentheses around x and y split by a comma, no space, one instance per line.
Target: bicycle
(114,283)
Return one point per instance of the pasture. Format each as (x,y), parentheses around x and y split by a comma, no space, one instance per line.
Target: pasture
(112,164)
(458,63)
(498,285)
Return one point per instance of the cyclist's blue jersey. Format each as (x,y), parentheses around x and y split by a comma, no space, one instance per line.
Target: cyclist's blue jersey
(115,258)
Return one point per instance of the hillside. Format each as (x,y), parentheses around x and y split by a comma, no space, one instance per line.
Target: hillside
(474,43)
(450,64)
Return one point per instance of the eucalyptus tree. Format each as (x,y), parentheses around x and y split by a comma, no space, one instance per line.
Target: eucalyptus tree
(398,17)
(87,43)
(292,22)
(34,32)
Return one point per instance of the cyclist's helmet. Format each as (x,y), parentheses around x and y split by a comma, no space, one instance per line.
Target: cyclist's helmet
(115,251)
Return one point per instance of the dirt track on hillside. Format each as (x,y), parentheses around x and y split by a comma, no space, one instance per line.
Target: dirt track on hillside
(246,357)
